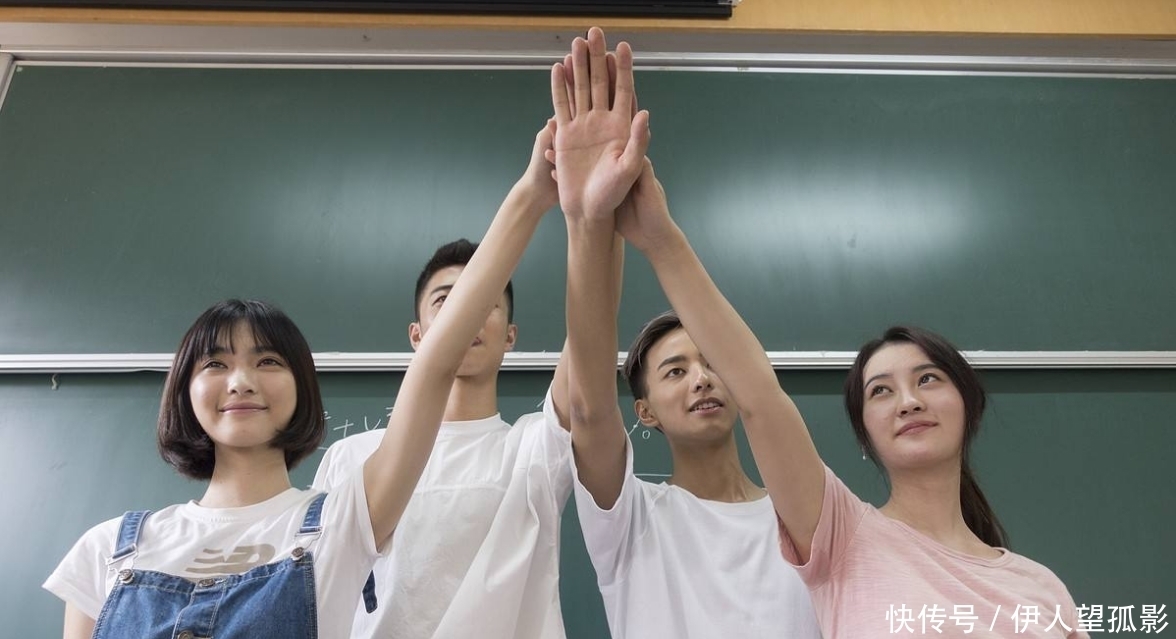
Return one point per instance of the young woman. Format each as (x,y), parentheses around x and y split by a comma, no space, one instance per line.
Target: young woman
(255,558)
(933,558)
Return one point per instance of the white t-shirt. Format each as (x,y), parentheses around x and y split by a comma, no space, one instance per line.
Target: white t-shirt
(194,542)
(672,565)
(477,550)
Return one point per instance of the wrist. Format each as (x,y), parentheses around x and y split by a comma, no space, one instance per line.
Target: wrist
(527,198)
(666,245)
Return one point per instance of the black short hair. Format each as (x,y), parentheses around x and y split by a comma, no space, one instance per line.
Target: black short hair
(456,253)
(650,334)
(182,442)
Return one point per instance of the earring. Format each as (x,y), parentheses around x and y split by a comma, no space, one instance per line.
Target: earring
(864,456)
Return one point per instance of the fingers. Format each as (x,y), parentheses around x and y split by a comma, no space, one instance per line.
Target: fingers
(580,76)
(567,65)
(559,94)
(611,63)
(626,99)
(598,68)
(632,158)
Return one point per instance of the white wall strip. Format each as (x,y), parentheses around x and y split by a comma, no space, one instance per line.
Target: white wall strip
(545,361)
(7,68)
(378,47)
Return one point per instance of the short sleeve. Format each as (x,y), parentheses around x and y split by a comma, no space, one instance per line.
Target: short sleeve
(841,514)
(611,534)
(552,450)
(322,476)
(343,457)
(82,578)
(347,549)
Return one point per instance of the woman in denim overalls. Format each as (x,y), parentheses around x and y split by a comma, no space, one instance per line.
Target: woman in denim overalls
(256,558)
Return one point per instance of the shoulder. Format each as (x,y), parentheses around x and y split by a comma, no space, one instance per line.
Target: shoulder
(359,445)
(1035,571)
(101,538)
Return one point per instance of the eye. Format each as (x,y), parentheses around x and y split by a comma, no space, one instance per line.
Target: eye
(878,389)
(440,299)
(211,363)
(675,372)
(926,378)
(271,360)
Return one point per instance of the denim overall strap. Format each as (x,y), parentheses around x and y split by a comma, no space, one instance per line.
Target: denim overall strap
(312,525)
(369,593)
(127,543)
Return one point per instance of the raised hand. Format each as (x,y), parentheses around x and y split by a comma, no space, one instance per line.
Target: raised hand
(539,178)
(599,142)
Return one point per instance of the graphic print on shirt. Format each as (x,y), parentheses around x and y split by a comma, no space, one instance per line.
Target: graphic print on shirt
(242,558)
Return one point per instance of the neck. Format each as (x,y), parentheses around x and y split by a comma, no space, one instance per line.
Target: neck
(712,471)
(472,398)
(243,479)
(928,500)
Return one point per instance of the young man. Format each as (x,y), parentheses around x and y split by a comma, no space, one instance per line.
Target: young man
(697,556)
(477,548)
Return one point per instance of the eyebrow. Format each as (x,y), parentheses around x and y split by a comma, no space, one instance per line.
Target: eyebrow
(917,369)
(673,359)
(220,349)
(444,288)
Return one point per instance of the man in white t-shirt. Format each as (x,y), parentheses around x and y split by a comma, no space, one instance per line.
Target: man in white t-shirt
(477,550)
(698,555)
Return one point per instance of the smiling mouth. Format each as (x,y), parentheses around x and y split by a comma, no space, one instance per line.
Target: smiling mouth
(914,427)
(242,408)
(706,406)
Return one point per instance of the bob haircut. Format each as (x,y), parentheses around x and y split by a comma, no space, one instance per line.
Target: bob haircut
(978,514)
(182,441)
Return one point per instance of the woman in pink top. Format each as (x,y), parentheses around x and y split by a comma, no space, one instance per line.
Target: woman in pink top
(932,560)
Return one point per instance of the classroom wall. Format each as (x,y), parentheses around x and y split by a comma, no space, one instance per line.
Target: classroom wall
(1009,213)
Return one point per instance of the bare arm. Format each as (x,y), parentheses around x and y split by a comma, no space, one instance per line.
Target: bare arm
(391,473)
(78,625)
(788,462)
(599,147)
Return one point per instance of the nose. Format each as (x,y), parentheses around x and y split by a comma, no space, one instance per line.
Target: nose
(702,380)
(911,403)
(241,380)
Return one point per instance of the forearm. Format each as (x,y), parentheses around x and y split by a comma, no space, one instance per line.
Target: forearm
(592,297)
(479,288)
(713,324)
(560,380)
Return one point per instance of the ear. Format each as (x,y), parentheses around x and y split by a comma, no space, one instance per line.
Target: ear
(645,414)
(415,334)
(512,334)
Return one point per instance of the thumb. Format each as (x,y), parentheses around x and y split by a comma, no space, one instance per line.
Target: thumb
(638,144)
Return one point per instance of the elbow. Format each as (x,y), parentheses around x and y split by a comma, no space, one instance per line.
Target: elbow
(582,413)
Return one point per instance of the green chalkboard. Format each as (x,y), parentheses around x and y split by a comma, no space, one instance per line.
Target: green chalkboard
(1075,463)
(1012,213)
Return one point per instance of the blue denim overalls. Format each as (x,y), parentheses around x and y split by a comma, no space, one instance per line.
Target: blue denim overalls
(271,601)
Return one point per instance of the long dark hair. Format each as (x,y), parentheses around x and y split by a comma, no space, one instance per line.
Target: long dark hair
(978,514)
